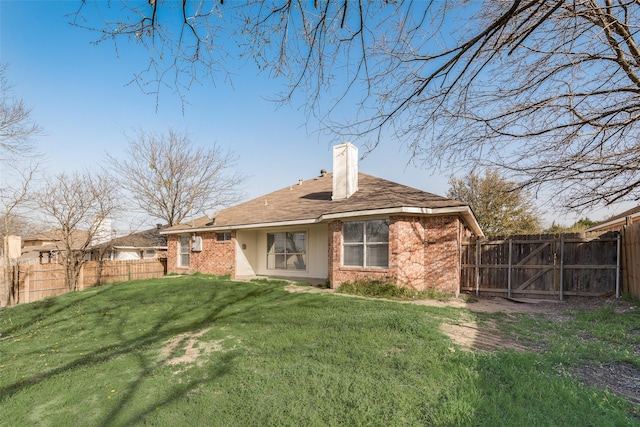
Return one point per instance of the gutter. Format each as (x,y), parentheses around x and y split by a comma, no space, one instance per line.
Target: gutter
(242,227)
(618,221)
(159,248)
(464,211)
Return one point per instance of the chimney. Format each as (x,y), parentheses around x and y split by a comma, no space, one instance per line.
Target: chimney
(101,228)
(345,171)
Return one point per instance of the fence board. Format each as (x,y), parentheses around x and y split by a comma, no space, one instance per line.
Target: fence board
(542,265)
(36,282)
(39,281)
(631,260)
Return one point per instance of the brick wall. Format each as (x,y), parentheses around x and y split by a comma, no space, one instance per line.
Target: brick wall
(442,253)
(215,258)
(172,254)
(407,250)
(424,253)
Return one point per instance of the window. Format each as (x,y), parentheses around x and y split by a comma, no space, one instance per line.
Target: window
(184,251)
(365,243)
(149,253)
(223,237)
(287,251)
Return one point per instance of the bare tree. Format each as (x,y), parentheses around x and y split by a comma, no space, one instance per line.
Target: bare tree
(170,178)
(547,89)
(16,131)
(77,205)
(14,197)
(16,127)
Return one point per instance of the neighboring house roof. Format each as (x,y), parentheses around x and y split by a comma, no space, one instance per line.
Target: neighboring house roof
(147,239)
(79,237)
(310,201)
(617,221)
(52,241)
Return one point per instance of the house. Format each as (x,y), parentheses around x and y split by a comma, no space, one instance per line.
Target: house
(616,222)
(48,245)
(147,244)
(340,226)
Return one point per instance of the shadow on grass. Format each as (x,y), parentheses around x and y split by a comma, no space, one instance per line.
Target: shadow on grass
(46,309)
(231,302)
(222,368)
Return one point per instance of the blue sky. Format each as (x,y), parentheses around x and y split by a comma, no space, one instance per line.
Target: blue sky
(80,95)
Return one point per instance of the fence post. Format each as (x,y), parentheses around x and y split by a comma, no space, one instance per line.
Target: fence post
(510,267)
(618,254)
(27,287)
(561,267)
(478,259)
(81,277)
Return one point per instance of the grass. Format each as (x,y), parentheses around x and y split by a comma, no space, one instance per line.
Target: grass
(589,337)
(254,354)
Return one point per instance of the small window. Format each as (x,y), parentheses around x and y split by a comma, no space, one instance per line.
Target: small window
(184,251)
(365,243)
(223,237)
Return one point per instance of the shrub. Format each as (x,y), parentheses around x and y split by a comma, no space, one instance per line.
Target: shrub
(379,289)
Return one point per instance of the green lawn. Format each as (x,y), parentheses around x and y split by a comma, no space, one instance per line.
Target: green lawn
(204,351)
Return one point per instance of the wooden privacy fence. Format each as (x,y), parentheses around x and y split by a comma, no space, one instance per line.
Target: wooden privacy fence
(543,266)
(38,281)
(631,259)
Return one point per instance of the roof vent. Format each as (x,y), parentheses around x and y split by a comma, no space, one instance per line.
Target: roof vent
(323,172)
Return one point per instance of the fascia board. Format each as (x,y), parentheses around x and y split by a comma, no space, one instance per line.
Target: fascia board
(619,221)
(463,211)
(214,228)
(140,247)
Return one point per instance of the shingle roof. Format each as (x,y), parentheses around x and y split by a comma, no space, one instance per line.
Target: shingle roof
(623,214)
(52,241)
(616,220)
(55,237)
(311,199)
(144,239)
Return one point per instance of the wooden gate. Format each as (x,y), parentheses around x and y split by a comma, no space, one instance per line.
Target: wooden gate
(543,266)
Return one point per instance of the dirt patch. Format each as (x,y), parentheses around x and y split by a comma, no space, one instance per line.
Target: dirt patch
(187,348)
(619,378)
(486,337)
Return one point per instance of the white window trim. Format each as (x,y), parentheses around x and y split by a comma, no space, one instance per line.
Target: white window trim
(181,253)
(224,234)
(364,245)
(305,252)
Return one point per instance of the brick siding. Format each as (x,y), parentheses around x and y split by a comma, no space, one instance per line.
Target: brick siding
(173,241)
(424,253)
(217,258)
